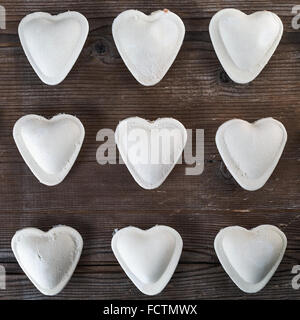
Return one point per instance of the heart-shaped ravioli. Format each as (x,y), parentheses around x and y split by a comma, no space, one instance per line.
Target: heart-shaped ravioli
(150,150)
(49,147)
(149,258)
(52,44)
(48,258)
(244,43)
(148,45)
(250,257)
(251,151)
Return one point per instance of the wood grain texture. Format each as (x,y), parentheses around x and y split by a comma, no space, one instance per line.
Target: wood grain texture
(96,199)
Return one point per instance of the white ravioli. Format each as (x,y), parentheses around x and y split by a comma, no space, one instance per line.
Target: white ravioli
(150,150)
(49,147)
(244,43)
(149,258)
(148,45)
(52,44)
(48,258)
(250,257)
(251,151)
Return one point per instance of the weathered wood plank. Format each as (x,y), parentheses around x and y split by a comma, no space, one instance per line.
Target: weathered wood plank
(91,186)
(199,281)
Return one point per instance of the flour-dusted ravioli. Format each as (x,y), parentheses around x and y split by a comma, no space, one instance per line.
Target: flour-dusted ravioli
(251,151)
(244,43)
(49,147)
(148,45)
(48,258)
(148,257)
(150,150)
(250,257)
(52,44)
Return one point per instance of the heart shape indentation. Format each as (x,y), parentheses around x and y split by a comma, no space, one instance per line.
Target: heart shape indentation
(251,151)
(250,257)
(149,258)
(49,147)
(150,150)
(52,44)
(148,45)
(48,258)
(244,43)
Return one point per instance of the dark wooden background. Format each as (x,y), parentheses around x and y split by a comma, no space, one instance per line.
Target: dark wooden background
(96,199)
